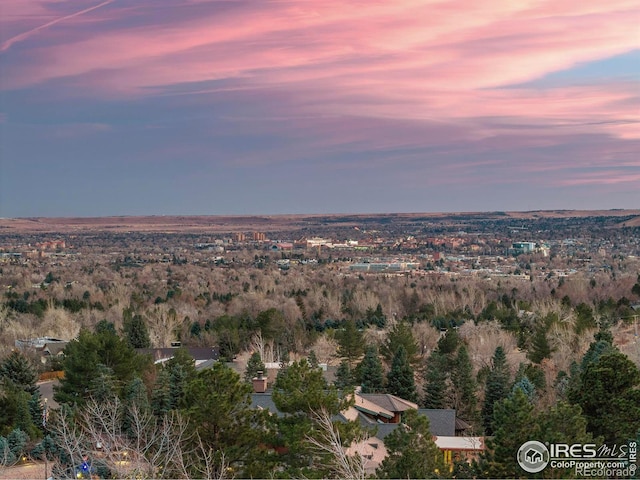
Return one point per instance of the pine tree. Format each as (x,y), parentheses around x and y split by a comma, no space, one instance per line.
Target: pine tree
(92,355)
(412,452)
(302,389)
(35,409)
(564,423)
(181,370)
(540,347)
(601,345)
(17,370)
(371,373)
(400,335)
(464,386)
(161,403)
(610,397)
(135,396)
(23,419)
(449,342)
(526,387)
(313,359)
(345,377)
(217,403)
(496,388)
(254,365)
(514,424)
(400,381)
(435,388)
(102,386)
(135,331)
(350,342)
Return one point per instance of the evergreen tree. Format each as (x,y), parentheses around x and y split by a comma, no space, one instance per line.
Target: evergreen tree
(92,355)
(254,365)
(350,342)
(135,396)
(313,359)
(161,401)
(345,376)
(17,370)
(400,381)
(514,424)
(496,388)
(601,345)
(526,387)
(105,326)
(534,373)
(540,347)
(35,409)
(371,373)
(379,319)
(23,420)
(182,369)
(411,451)
(449,342)
(400,335)
(217,403)
(13,446)
(301,392)
(435,387)
(464,386)
(135,331)
(610,397)
(302,389)
(102,386)
(563,423)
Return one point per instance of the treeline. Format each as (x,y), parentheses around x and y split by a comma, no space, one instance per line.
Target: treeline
(110,391)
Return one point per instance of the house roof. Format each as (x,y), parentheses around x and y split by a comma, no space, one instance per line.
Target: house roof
(460,443)
(384,429)
(364,405)
(54,348)
(197,353)
(373,451)
(264,401)
(461,424)
(389,402)
(442,422)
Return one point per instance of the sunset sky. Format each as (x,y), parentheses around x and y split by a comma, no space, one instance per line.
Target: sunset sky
(136,107)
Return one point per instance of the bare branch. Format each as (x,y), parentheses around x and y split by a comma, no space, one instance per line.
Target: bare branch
(328,441)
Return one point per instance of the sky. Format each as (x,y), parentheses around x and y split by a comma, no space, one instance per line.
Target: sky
(206,107)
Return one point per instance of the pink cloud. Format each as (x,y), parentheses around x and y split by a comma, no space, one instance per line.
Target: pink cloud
(440,62)
(604,177)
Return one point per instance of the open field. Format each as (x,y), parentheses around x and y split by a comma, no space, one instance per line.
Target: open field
(229,223)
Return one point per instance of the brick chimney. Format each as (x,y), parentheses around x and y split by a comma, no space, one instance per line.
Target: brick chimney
(259,383)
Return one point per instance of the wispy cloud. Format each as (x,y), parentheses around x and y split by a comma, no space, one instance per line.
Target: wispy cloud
(438,87)
(23,36)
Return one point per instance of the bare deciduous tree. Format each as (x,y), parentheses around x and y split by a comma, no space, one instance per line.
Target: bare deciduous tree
(150,448)
(328,441)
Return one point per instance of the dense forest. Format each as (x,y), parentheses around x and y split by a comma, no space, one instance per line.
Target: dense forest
(549,358)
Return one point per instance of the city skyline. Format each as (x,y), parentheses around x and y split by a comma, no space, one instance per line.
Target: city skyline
(216,107)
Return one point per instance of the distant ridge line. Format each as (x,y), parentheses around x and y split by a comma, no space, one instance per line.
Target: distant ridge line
(257,222)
